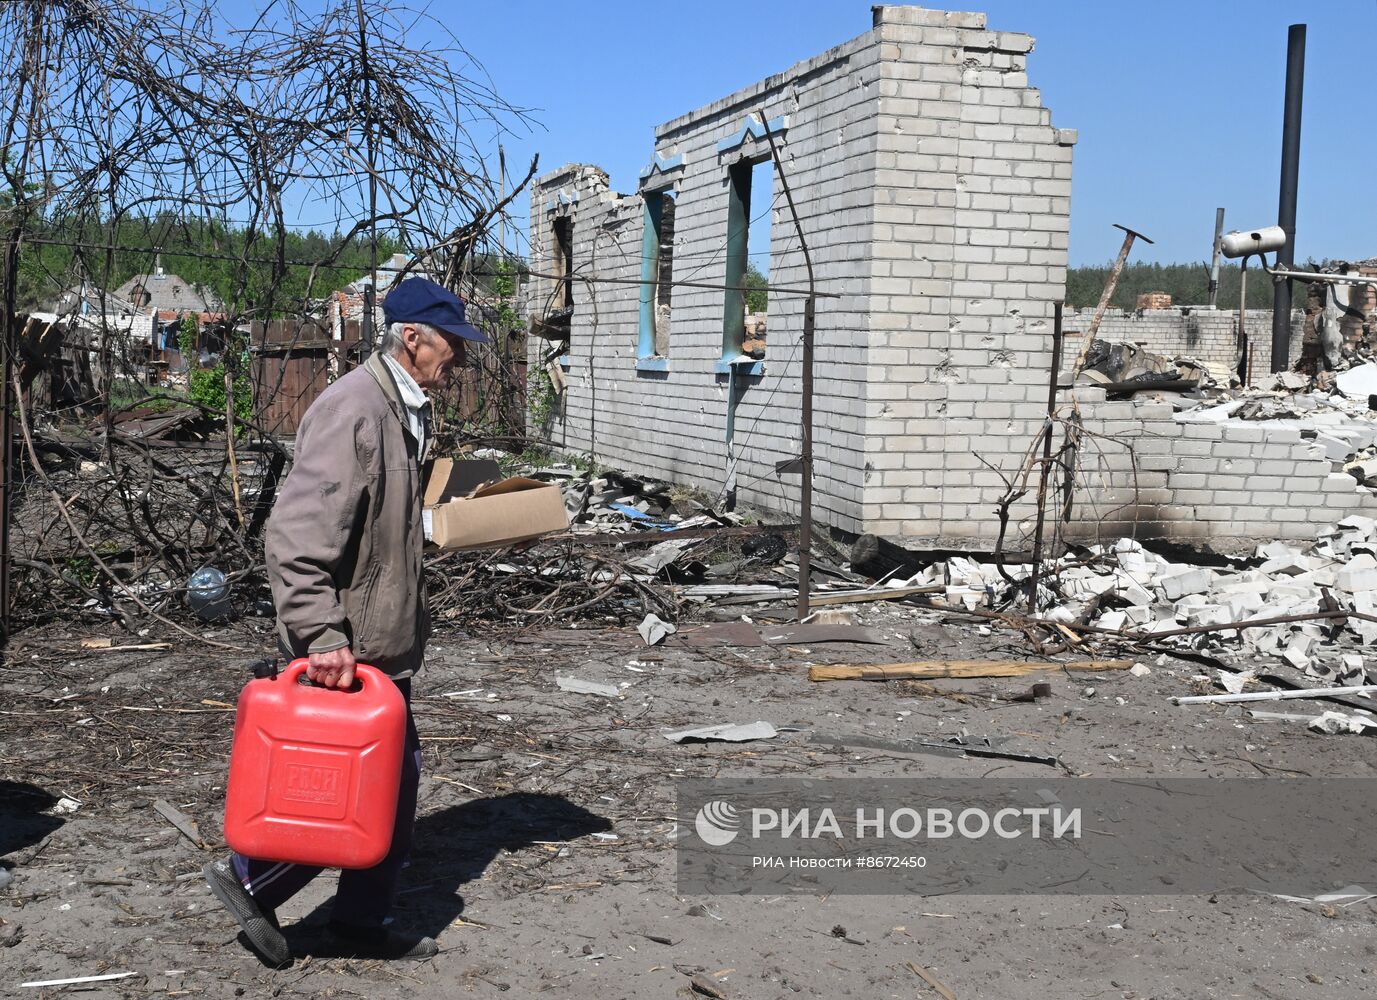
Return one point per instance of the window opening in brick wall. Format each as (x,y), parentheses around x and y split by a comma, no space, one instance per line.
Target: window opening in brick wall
(746,302)
(562,255)
(657,274)
(761,245)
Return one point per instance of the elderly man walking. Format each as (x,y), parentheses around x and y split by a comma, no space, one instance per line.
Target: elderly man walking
(344,557)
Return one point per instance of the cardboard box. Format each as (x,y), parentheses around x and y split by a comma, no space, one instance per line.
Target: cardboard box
(468,505)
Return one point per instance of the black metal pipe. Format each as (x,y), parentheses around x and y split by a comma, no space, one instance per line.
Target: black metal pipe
(1286,205)
(1046,456)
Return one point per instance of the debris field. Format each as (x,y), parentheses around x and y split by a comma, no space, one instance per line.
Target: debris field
(569,685)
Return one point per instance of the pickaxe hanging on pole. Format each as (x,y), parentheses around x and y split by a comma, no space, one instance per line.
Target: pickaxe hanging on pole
(1089,337)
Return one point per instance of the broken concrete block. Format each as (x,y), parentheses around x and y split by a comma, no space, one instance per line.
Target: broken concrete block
(1112,619)
(1350,670)
(1283,594)
(1264,641)
(1238,585)
(1358,382)
(1141,614)
(1275,550)
(1338,722)
(1132,591)
(1193,581)
(961,570)
(1100,584)
(652,629)
(969,597)
(1209,614)
(1364,470)
(1324,576)
(1335,448)
(1297,651)
(1135,562)
(1291,564)
(1295,657)
(1234,683)
(1240,603)
(1365,526)
(1360,574)
(1366,603)
(1086,583)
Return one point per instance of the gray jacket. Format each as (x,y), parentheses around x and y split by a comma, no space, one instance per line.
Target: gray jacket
(345,537)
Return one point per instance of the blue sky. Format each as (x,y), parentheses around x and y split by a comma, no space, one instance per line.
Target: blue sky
(1178,105)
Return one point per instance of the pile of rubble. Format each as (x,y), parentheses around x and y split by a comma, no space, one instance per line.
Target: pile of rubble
(1301,600)
(1129,368)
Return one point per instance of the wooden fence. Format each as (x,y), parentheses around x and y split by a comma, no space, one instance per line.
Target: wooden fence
(293,362)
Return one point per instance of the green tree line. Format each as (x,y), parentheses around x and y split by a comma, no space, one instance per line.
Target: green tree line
(209,255)
(1187,284)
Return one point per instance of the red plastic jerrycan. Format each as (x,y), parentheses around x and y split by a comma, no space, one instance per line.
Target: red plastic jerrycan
(314,771)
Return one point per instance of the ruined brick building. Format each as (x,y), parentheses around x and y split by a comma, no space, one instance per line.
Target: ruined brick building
(934,192)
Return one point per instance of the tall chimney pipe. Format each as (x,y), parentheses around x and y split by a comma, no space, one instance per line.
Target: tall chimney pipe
(1286,205)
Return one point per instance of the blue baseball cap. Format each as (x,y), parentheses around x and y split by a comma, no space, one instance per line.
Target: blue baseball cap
(418,300)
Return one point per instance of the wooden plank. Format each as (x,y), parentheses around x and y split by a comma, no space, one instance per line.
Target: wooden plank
(932,981)
(185,825)
(929,669)
(865,596)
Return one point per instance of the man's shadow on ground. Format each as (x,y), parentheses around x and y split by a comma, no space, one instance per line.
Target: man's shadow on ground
(23,818)
(455,846)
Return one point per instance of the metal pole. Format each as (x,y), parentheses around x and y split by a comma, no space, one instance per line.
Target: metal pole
(370,293)
(805,503)
(1088,338)
(1214,260)
(8,323)
(1046,456)
(1286,204)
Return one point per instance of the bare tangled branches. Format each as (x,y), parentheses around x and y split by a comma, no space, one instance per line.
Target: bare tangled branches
(162,120)
(125,111)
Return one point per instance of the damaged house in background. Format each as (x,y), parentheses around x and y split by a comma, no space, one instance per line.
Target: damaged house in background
(934,196)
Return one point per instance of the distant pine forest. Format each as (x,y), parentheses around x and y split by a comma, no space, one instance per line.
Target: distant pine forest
(1187,284)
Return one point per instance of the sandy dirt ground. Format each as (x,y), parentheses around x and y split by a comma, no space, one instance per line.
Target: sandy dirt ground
(545,857)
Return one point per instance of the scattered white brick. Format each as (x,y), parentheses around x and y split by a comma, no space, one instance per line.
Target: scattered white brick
(1133,592)
(1113,619)
(1240,604)
(1290,564)
(1192,581)
(1360,574)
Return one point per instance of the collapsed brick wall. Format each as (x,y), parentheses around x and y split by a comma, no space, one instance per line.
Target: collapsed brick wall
(1208,335)
(1236,480)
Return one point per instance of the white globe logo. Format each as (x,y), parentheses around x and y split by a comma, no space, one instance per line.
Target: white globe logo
(717,824)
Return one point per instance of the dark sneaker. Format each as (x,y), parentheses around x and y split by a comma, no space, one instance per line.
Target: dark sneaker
(260,926)
(380,942)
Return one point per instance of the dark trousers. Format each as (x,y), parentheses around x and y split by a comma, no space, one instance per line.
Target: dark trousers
(365,895)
